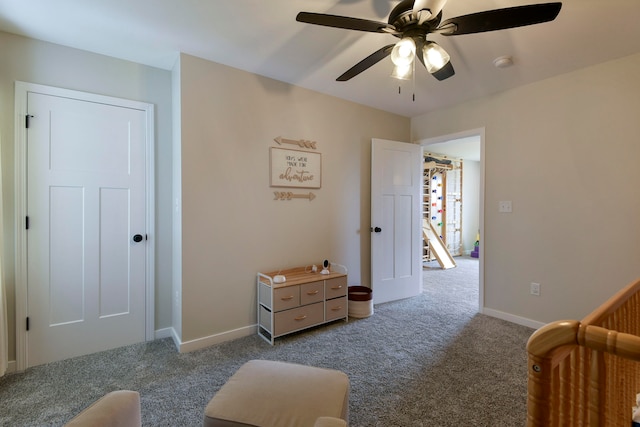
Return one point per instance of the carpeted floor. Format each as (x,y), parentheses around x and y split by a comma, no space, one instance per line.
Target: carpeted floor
(431,360)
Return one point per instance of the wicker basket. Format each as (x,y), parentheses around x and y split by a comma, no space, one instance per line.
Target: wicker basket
(360,301)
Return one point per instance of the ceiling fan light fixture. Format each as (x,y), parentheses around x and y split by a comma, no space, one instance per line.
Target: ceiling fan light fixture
(403,52)
(414,20)
(402,72)
(435,57)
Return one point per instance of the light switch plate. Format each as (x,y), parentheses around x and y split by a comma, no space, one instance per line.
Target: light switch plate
(504,206)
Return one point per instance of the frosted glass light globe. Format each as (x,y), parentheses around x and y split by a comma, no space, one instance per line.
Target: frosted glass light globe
(403,52)
(435,57)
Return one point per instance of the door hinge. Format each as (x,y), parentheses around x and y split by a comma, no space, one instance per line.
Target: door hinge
(26,222)
(27,323)
(26,120)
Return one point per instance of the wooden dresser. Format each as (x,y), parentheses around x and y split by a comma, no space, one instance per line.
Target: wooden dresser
(304,300)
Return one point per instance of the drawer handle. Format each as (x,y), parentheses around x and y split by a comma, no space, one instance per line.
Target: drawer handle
(290,297)
(304,316)
(336,287)
(312,292)
(338,308)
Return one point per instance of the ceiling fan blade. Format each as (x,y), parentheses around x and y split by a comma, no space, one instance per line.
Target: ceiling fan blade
(444,72)
(345,22)
(367,62)
(500,19)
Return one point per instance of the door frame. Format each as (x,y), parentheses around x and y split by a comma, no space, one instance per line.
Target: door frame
(479,132)
(20,165)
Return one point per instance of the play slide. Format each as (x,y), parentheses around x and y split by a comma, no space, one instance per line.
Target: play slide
(437,245)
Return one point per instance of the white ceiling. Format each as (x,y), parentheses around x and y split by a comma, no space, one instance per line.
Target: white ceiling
(264,38)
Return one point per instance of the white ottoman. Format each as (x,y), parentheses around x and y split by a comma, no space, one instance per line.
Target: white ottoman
(268,394)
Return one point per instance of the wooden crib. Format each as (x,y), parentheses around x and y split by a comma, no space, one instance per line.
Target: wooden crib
(587,373)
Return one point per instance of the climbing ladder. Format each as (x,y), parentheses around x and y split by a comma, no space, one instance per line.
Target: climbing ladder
(436,245)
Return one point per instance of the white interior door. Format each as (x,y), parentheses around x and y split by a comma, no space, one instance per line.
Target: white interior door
(396,235)
(86,199)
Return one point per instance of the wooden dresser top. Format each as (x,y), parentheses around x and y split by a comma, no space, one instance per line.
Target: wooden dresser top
(300,275)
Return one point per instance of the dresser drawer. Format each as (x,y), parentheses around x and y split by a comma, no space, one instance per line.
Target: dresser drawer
(265,318)
(285,298)
(307,299)
(335,308)
(334,288)
(311,292)
(298,318)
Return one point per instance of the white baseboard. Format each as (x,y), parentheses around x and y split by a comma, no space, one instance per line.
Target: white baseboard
(164,333)
(185,347)
(512,318)
(11,367)
(169,333)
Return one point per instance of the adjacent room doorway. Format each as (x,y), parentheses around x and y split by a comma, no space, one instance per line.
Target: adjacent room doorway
(85,265)
(469,146)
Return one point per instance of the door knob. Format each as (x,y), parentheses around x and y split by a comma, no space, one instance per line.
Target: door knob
(377,229)
(137,238)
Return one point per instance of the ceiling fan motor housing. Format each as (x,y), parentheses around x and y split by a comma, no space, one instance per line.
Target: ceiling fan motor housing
(403,19)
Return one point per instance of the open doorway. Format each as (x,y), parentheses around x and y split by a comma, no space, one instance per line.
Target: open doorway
(469,148)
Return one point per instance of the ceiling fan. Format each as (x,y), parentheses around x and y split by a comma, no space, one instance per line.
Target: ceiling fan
(413,20)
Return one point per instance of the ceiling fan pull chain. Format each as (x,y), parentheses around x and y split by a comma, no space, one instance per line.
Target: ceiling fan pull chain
(413,81)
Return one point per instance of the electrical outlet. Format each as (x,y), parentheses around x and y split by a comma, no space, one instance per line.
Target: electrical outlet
(505,206)
(535,289)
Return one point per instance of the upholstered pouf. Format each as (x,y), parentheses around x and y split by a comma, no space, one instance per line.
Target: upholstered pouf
(119,408)
(268,394)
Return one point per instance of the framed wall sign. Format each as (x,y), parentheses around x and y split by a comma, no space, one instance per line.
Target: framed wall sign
(295,168)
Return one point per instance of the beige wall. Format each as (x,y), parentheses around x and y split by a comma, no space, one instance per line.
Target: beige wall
(470,204)
(231,225)
(565,151)
(48,64)
(225,121)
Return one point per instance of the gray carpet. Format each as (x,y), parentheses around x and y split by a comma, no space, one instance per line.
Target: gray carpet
(431,360)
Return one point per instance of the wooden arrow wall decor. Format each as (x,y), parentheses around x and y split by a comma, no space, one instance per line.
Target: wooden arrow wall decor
(307,164)
(303,143)
(288,195)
